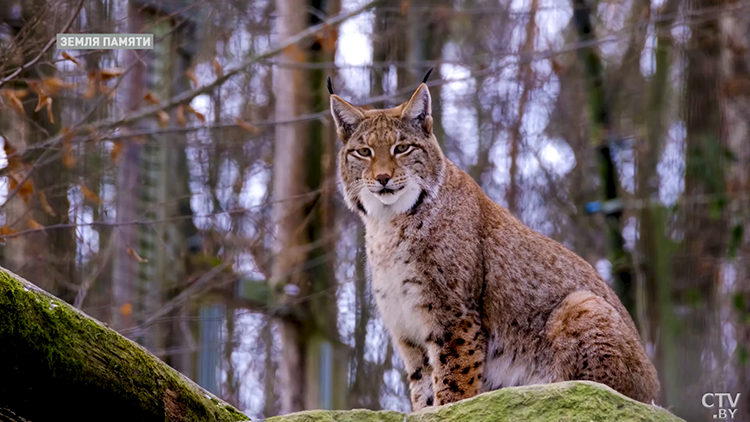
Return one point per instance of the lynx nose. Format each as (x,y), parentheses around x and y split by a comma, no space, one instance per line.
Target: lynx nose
(383,179)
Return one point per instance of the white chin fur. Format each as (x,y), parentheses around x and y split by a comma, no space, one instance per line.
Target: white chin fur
(386,206)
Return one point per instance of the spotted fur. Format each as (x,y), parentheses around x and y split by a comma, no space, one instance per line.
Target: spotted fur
(474,300)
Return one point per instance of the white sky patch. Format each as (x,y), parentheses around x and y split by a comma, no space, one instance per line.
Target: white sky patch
(376,341)
(459,121)
(248,359)
(355,49)
(202,104)
(255,187)
(630,233)
(557,156)
(246,265)
(552,17)
(648,55)
(613,16)
(624,159)
(200,201)
(671,167)
(604,268)
(87,239)
(397,399)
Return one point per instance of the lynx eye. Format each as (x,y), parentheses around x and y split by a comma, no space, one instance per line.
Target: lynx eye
(363,152)
(402,148)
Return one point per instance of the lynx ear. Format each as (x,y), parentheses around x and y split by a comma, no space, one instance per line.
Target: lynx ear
(419,108)
(346,116)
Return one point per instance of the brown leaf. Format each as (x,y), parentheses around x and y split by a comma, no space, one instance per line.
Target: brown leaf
(34,225)
(135,255)
(107,74)
(26,190)
(116,150)
(45,205)
(50,115)
(15,164)
(151,98)
(126,309)
(14,101)
(405,5)
(181,115)
(247,126)
(163,118)
(218,71)
(327,37)
(90,195)
(20,93)
(6,230)
(191,75)
(71,58)
(198,115)
(53,85)
(93,78)
(295,53)
(42,101)
(68,160)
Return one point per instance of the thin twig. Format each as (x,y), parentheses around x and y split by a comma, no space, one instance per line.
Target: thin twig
(46,47)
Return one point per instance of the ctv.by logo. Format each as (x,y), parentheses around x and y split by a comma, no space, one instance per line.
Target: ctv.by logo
(725,404)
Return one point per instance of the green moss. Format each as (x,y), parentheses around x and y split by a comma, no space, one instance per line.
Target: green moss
(358,415)
(562,402)
(54,352)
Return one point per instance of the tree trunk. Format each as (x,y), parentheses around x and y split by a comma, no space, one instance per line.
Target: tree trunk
(699,261)
(303,209)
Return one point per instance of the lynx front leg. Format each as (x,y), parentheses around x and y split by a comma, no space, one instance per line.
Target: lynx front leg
(457,356)
(419,371)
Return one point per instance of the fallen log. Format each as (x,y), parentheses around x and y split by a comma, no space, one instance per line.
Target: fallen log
(57,363)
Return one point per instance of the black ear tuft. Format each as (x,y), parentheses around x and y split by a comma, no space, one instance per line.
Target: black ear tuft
(427,75)
(329,84)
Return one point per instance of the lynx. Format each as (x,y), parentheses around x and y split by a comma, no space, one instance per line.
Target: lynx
(474,300)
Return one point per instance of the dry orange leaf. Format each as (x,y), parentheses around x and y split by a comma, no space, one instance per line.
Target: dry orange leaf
(217,68)
(6,230)
(42,101)
(295,53)
(116,151)
(34,225)
(163,118)
(109,73)
(14,101)
(247,126)
(126,309)
(191,75)
(90,195)
(181,115)
(68,160)
(135,255)
(198,114)
(151,98)
(71,58)
(91,87)
(405,5)
(50,115)
(26,190)
(54,84)
(45,205)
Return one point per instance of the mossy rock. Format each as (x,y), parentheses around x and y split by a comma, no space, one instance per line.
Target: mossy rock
(561,402)
(56,361)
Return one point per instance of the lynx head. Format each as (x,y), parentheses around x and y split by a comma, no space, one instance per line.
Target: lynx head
(390,162)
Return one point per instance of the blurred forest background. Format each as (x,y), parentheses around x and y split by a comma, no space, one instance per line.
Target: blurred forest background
(187,195)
